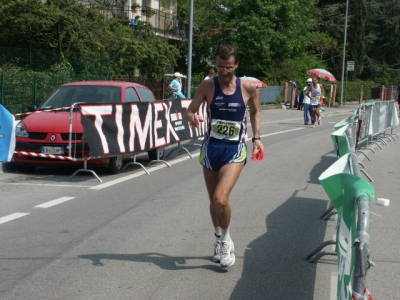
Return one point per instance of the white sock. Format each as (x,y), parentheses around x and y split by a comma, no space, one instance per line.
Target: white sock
(225,237)
(217,233)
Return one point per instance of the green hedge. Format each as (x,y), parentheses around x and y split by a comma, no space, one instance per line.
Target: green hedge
(18,89)
(352,90)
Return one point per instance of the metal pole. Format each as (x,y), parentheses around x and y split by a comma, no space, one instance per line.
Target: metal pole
(189,69)
(347,79)
(344,50)
(2,89)
(361,245)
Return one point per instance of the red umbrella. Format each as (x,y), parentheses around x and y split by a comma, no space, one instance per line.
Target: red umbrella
(257,82)
(322,73)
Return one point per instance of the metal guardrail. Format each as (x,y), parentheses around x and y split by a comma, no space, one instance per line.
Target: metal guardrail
(361,127)
(361,262)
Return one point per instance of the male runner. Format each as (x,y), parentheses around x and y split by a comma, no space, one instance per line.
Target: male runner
(224,151)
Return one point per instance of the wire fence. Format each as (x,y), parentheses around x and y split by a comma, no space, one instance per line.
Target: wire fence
(28,76)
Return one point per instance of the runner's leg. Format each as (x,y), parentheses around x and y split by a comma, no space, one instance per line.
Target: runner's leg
(211,179)
(313,114)
(219,186)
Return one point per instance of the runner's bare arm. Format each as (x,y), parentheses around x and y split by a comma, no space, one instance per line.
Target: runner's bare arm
(322,91)
(200,95)
(255,115)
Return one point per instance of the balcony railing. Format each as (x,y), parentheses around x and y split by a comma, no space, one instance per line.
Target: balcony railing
(164,24)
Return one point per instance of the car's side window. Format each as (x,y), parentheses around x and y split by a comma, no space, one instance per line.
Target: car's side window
(131,95)
(147,95)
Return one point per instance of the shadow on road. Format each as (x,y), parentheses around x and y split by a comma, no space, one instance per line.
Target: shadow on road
(163,261)
(274,267)
(325,162)
(273,263)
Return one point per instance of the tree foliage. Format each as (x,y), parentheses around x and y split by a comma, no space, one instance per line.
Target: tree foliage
(373,37)
(265,32)
(71,28)
(382,59)
(277,40)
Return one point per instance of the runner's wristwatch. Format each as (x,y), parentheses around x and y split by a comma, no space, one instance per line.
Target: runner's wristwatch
(255,138)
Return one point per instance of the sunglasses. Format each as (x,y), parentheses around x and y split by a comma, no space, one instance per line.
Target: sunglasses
(229,69)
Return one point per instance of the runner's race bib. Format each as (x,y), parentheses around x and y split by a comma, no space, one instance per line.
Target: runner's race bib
(225,130)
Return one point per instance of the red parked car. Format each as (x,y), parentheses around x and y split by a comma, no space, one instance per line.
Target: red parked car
(47,132)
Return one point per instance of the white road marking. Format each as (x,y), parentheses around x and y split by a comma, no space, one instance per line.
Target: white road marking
(49,184)
(54,202)
(270,122)
(161,166)
(334,280)
(342,112)
(173,162)
(12,217)
(279,132)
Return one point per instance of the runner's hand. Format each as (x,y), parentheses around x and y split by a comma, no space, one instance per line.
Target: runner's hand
(258,151)
(195,120)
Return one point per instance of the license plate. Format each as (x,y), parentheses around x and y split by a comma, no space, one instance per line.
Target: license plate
(52,150)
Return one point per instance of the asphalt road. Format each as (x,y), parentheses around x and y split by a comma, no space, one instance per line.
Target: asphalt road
(139,236)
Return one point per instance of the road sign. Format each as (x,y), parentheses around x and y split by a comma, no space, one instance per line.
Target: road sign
(350,65)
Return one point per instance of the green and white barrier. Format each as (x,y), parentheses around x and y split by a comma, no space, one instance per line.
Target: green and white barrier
(345,190)
(351,195)
(341,141)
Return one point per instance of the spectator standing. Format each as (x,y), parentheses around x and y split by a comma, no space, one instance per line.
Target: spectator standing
(211,74)
(307,113)
(315,92)
(176,86)
(297,102)
(224,151)
(398,94)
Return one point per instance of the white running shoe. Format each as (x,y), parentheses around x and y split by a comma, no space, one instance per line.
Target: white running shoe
(217,252)
(227,254)
(319,121)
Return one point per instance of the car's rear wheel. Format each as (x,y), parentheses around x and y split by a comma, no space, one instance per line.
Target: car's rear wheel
(153,153)
(115,164)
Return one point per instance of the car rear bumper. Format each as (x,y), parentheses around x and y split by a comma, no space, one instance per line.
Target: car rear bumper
(79,152)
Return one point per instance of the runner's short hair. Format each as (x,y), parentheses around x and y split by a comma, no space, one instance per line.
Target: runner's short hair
(226,51)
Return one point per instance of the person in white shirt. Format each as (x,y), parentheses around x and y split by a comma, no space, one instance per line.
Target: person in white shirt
(210,75)
(307,113)
(316,92)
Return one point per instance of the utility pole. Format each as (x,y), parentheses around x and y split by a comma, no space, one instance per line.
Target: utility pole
(189,69)
(344,50)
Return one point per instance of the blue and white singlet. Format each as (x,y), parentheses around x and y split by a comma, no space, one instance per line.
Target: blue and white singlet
(227,115)
(227,130)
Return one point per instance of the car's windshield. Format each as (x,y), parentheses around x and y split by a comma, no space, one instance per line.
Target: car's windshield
(65,96)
